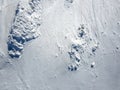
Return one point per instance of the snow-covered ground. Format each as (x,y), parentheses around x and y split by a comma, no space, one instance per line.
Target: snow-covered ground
(78,47)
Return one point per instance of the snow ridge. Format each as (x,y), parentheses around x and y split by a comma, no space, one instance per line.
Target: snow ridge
(24,27)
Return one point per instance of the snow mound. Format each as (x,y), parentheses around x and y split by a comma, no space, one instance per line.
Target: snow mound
(24,27)
(83,47)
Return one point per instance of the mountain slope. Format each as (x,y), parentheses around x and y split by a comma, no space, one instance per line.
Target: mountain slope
(78,48)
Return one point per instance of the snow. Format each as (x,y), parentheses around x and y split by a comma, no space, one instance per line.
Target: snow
(71,45)
(24,27)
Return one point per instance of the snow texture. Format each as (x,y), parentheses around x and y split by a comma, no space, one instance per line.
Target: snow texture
(83,45)
(24,27)
(59,44)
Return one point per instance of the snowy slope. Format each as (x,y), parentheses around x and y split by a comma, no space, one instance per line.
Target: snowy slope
(78,47)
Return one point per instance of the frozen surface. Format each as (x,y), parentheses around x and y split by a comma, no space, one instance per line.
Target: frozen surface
(73,45)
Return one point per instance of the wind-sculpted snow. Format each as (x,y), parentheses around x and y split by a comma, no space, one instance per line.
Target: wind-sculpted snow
(24,27)
(84,45)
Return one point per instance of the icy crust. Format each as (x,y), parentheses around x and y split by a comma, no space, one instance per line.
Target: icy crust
(82,48)
(24,27)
